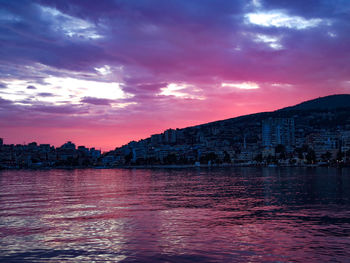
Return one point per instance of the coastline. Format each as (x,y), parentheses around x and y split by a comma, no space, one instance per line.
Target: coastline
(172,166)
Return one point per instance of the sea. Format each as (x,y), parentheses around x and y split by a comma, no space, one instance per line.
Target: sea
(175,215)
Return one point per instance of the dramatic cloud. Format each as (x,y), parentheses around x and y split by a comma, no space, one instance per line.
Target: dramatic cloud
(103,73)
(68,25)
(279,19)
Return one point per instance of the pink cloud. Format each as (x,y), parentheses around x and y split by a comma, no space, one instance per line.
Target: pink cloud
(148,46)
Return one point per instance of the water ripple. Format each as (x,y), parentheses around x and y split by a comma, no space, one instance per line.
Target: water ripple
(214,215)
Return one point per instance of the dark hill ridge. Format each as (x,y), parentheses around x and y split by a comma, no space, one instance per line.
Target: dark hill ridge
(325,112)
(322,113)
(240,137)
(331,102)
(328,102)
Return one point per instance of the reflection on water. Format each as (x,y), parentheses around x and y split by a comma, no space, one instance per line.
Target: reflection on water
(218,215)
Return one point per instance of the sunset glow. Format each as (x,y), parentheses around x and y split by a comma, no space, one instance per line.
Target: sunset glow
(103,74)
(244,85)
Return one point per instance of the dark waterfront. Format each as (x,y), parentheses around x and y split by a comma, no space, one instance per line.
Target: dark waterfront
(217,215)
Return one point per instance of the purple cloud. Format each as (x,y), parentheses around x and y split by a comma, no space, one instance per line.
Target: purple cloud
(96,101)
(147,46)
(4,103)
(66,109)
(45,94)
(31,87)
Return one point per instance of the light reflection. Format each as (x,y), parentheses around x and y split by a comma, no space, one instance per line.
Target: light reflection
(215,215)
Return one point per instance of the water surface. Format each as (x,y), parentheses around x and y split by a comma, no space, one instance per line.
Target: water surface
(217,215)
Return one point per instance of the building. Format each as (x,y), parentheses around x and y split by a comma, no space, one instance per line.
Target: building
(68,146)
(1,142)
(170,136)
(345,140)
(323,142)
(67,151)
(95,153)
(277,131)
(83,150)
(156,139)
(245,156)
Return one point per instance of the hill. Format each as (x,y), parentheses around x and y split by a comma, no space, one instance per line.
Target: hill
(324,121)
(328,102)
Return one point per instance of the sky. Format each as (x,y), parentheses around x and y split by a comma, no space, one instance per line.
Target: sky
(103,73)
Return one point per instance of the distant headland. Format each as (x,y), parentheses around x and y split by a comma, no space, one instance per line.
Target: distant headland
(312,133)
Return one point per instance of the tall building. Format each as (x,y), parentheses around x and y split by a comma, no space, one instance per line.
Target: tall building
(277,131)
(1,141)
(170,136)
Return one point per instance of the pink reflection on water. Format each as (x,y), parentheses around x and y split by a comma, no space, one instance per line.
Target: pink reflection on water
(219,215)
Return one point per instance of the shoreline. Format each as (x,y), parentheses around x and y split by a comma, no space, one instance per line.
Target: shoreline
(172,166)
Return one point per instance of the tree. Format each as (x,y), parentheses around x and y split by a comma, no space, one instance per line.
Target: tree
(271,159)
(258,158)
(326,156)
(227,158)
(340,156)
(311,156)
(140,161)
(280,148)
(305,148)
(209,157)
(170,159)
(128,158)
